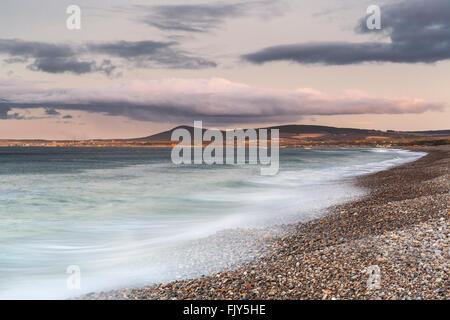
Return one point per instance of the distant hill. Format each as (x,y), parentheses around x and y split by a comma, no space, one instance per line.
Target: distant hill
(312,132)
(433,133)
(295,128)
(166,135)
(290,136)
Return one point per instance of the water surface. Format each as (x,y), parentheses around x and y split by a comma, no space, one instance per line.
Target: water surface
(126,215)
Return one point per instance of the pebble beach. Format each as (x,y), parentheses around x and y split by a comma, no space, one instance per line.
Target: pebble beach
(392,243)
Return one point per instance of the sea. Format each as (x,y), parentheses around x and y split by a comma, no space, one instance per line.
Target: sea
(79,220)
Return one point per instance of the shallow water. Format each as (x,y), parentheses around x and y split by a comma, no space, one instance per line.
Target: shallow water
(123,215)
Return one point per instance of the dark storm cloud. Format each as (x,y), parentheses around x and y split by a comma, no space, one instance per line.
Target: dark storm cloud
(419,31)
(326,53)
(202,17)
(60,58)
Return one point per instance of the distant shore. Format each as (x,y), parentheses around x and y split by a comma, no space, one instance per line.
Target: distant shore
(290,136)
(401,228)
(372,143)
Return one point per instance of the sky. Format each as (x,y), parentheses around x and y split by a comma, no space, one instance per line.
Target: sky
(135,68)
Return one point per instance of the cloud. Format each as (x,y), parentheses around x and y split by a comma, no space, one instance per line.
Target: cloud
(78,59)
(51,58)
(15,60)
(45,113)
(3,110)
(203,17)
(151,54)
(418,30)
(60,65)
(52,112)
(34,49)
(215,101)
(191,18)
(14,116)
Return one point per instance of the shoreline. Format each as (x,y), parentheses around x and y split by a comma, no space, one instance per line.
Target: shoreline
(400,227)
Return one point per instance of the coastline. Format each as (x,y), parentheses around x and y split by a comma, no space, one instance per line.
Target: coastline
(401,227)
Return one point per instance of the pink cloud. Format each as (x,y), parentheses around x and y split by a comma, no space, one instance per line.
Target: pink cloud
(215,100)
